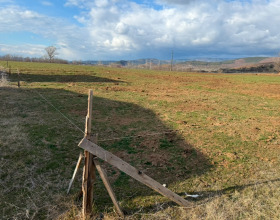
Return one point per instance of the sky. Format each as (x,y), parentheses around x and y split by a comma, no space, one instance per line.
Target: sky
(133,29)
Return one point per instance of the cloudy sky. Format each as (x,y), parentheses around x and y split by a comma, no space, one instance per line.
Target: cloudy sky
(132,29)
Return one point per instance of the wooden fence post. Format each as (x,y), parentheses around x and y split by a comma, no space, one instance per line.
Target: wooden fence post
(91,152)
(18,78)
(89,167)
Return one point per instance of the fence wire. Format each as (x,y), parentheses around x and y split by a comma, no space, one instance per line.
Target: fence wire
(78,128)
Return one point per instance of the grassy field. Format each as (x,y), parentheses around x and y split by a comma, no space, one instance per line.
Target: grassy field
(224,145)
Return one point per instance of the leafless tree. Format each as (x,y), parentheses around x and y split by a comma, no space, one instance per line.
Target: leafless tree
(51,52)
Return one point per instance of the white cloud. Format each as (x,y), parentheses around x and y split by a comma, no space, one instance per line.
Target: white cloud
(47,3)
(80,3)
(120,29)
(214,26)
(101,3)
(23,50)
(15,19)
(174,2)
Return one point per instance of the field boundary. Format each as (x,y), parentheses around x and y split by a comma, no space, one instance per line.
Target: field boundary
(91,151)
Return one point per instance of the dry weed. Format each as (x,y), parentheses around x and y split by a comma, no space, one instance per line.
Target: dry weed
(25,193)
(3,78)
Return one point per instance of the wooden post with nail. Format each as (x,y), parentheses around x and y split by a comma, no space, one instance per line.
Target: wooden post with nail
(89,167)
(89,171)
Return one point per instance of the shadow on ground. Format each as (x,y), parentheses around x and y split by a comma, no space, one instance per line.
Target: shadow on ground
(205,197)
(209,195)
(51,149)
(62,78)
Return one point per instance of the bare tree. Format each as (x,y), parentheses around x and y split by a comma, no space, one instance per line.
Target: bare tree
(51,52)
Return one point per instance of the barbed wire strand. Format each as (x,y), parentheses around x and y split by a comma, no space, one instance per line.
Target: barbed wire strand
(102,140)
(60,112)
(138,136)
(49,102)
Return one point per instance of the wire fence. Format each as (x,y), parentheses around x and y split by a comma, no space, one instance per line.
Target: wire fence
(69,120)
(56,107)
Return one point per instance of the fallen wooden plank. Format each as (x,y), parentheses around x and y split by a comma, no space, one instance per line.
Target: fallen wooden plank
(131,171)
(106,182)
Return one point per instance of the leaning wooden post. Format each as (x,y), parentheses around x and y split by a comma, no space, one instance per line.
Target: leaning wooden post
(89,168)
(18,78)
(106,182)
(75,172)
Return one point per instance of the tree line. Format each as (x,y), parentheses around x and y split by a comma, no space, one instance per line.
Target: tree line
(9,57)
(49,57)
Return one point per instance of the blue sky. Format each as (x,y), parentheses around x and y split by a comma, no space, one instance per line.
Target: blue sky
(126,29)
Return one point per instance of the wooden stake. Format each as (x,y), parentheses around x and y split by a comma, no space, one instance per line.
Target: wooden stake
(89,168)
(106,182)
(75,172)
(18,79)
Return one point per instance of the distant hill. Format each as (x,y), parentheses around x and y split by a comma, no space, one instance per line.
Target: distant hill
(254,59)
(246,64)
(232,61)
(126,62)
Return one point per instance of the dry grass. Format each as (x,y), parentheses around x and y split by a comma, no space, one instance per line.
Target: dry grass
(256,200)
(25,193)
(3,77)
(225,144)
